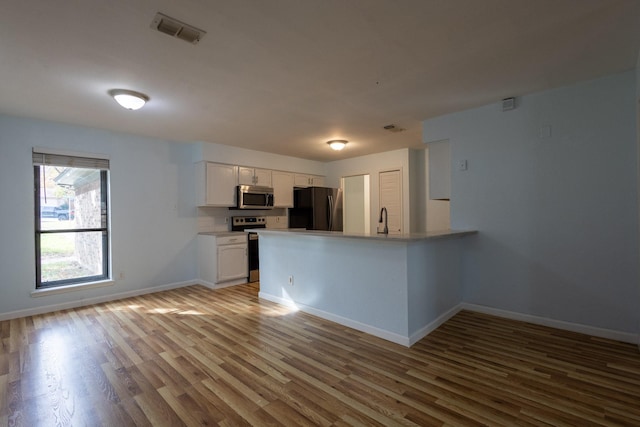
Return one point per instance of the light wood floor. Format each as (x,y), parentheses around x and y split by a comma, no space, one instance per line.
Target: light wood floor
(194,356)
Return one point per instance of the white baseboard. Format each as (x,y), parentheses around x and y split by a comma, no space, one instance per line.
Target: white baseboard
(432,326)
(558,324)
(371,330)
(88,301)
(207,284)
(211,285)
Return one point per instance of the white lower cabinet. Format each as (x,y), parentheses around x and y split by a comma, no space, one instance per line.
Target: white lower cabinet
(223,259)
(232,262)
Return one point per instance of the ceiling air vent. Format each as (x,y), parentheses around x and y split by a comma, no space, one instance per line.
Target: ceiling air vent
(393,128)
(174,28)
(508,104)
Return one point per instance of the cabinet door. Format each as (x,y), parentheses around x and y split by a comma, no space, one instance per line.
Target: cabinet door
(220,187)
(232,262)
(317,181)
(207,254)
(245,176)
(282,189)
(301,180)
(262,177)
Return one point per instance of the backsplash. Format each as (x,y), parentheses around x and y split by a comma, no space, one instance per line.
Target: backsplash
(213,219)
(219,219)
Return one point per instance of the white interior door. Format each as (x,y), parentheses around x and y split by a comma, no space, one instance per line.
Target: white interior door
(391,198)
(355,204)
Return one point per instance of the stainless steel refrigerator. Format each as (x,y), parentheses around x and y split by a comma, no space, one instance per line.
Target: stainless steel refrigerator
(316,208)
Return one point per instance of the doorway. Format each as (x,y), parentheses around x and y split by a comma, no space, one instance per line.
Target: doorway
(356,204)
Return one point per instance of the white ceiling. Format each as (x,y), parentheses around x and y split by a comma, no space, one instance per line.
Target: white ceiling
(285,76)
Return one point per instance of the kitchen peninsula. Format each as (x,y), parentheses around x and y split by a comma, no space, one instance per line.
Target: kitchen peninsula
(396,287)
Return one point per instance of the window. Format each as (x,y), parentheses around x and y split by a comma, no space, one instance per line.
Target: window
(71,219)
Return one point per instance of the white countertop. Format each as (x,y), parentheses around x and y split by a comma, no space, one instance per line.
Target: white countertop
(220,233)
(408,237)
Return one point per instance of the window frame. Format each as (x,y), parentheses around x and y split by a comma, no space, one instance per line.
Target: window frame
(104,229)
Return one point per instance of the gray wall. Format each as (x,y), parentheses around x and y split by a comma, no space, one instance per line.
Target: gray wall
(153,213)
(557,215)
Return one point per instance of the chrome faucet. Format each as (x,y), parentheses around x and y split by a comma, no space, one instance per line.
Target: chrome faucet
(386,228)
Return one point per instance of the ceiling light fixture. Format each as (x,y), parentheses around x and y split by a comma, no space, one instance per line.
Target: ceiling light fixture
(337,144)
(129,99)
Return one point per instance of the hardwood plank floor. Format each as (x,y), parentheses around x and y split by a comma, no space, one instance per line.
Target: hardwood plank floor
(193,356)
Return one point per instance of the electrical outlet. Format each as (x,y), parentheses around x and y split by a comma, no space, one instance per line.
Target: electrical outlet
(121,275)
(291,280)
(226,220)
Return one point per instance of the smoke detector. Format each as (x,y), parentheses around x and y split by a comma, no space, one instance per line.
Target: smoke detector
(174,28)
(393,128)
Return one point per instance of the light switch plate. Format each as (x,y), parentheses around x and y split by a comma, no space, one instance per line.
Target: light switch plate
(544,132)
(462,165)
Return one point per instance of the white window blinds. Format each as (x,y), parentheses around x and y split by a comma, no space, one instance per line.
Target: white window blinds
(49,159)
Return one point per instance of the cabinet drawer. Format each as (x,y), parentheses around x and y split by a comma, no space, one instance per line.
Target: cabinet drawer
(230,240)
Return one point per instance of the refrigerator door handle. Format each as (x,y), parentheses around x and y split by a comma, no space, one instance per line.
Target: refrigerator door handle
(330,212)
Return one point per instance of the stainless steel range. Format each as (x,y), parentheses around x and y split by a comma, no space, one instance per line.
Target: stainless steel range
(242,223)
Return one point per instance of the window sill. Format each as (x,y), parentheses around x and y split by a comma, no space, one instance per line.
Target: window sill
(70,288)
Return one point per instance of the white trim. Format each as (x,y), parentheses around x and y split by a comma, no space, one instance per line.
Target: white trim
(53,151)
(97,300)
(435,324)
(558,324)
(212,285)
(380,333)
(70,288)
(207,284)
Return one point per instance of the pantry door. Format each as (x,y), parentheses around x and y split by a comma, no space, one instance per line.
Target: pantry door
(390,197)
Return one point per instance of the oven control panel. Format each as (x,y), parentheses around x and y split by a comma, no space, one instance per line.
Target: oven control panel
(240,223)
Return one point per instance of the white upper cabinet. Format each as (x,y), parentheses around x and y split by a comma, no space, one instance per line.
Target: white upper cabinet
(254,176)
(282,189)
(216,184)
(302,180)
(245,176)
(263,177)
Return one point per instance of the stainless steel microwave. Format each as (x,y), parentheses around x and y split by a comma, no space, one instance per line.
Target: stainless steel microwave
(253,197)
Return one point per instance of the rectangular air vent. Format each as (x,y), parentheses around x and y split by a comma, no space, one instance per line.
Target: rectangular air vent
(174,28)
(508,104)
(393,128)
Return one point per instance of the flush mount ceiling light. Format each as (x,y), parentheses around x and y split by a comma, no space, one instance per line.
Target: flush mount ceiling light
(337,144)
(129,99)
